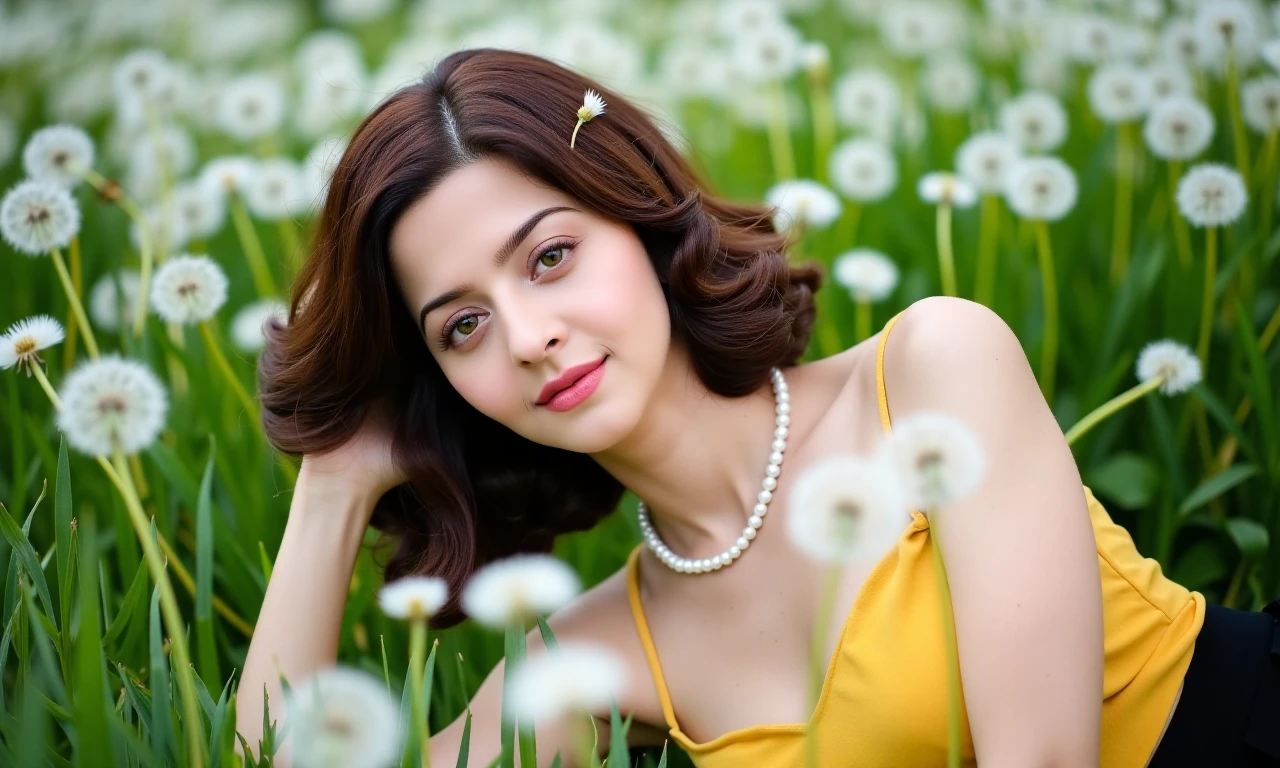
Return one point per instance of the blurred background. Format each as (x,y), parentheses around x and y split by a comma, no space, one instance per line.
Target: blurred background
(888,134)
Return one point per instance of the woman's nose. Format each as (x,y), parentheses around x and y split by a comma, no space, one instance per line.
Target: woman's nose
(532,330)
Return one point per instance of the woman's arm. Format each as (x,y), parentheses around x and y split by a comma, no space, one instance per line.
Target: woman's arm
(301,615)
(1020,554)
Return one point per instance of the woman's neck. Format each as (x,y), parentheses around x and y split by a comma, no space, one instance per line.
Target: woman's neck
(696,459)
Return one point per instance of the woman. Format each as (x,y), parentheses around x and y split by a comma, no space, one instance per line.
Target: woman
(497,333)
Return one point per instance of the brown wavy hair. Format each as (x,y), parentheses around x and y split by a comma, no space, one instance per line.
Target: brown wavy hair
(477,491)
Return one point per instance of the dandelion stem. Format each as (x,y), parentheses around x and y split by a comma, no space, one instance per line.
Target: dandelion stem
(418,707)
(984,289)
(1122,232)
(73,325)
(1181,231)
(44,384)
(847,227)
(252,246)
(784,164)
(77,308)
(1238,137)
(126,203)
(953,661)
(221,361)
(824,127)
(1049,349)
(818,663)
(1206,306)
(574,137)
(1097,415)
(862,319)
(182,669)
(946,261)
(289,239)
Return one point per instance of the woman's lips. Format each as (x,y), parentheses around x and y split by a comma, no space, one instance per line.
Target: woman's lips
(577,392)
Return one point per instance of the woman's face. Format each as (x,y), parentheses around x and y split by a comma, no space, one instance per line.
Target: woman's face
(521,283)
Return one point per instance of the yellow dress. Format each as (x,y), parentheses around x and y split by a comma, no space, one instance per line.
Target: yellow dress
(884,699)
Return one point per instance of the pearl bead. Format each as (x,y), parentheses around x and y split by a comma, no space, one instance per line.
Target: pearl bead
(770,483)
(783,408)
(783,420)
(741,544)
(755,521)
(760,510)
(781,432)
(764,497)
(748,533)
(775,458)
(773,470)
(735,551)
(779,445)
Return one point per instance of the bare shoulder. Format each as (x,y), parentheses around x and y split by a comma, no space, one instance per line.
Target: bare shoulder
(944,341)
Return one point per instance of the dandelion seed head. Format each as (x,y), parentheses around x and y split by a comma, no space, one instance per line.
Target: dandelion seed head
(145,75)
(229,174)
(802,202)
(167,232)
(868,98)
(188,289)
(1270,54)
(846,509)
(575,676)
(1184,42)
(1169,78)
(938,457)
(770,53)
(342,716)
(1178,128)
(951,82)
(251,106)
(1211,195)
(1260,103)
(109,311)
(247,326)
(413,597)
(863,169)
(913,28)
(200,208)
(745,17)
(942,188)
(1174,363)
(111,401)
(1229,25)
(21,344)
(592,106)
(985,159)
(59,154)
(518,588)
(1035,120)
(1041,188)
(38,216)
(868,275)
(1119,92)
(273,188)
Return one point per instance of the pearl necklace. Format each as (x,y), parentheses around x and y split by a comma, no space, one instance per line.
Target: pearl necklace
(782,399)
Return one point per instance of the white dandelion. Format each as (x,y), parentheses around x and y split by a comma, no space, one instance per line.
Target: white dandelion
(804,203)
(1211,195)
(951,82)
(1174,364)
(1169,78)
(188,289)
(1041,188)
(942,188)
(1260,103)
(168,232)
(1093,38)
(247,326)
(863,169)
(868,275)
(1229,25)
(592,107)
(1045,69)
(111,310)
(985,159)
(173,152)
(111,402)
(1035,120)
(745,17)
(413,597)
(770,53)
(273,188)
(1119,92)
(1271,53)
(21,344)
(342,716)
(867,98)
(573,677)
(229,174)
(201,209)
(938,458)
(815,58)
(913,28)
(355,12)
(1182,41)
(144,76)
(251,106)
(846,509)
(518,588)
(38,216)
(59,154)
(1178,128)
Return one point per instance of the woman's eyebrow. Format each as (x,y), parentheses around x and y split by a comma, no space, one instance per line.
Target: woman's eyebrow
(499,258)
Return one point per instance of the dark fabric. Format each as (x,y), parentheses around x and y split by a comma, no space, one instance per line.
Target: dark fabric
(1229,713)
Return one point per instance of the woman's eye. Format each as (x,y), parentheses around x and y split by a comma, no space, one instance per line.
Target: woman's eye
(552,257)
(466,325)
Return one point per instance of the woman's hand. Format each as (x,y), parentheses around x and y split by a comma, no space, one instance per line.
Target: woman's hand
(363,464)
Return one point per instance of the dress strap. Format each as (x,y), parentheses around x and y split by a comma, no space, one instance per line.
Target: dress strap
(642,626)
(881,394)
